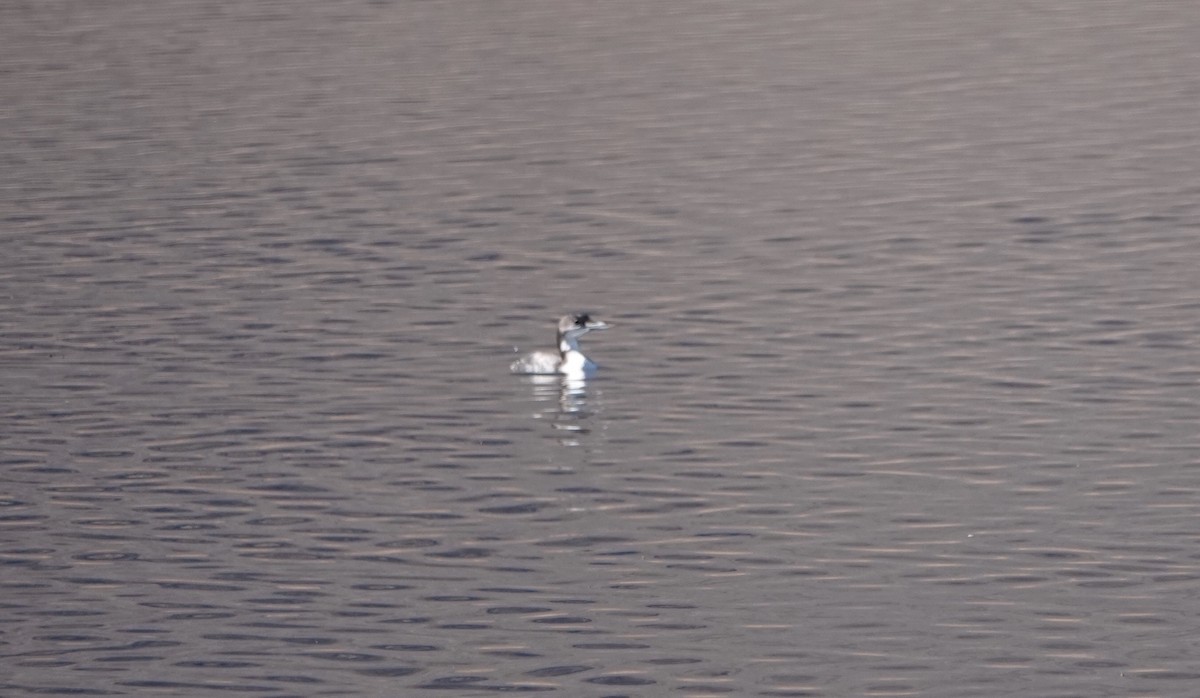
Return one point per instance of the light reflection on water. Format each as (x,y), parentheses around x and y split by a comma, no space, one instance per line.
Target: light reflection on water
(570,396)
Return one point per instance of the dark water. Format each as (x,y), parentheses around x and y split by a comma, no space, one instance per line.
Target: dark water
(902,397)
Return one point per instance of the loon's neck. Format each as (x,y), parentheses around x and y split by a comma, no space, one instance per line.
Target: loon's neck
(567,344)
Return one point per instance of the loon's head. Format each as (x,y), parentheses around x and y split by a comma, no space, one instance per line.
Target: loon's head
(572,327)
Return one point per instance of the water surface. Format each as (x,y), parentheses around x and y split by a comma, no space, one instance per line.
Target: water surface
(901,397)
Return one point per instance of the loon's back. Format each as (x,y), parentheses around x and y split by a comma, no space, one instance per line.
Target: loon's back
(541,362)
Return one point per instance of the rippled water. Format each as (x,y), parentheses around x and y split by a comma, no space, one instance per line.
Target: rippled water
(901,396)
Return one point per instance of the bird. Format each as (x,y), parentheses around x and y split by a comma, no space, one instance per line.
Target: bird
(568,360)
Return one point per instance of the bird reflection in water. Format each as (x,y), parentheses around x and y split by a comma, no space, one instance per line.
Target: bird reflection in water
(569,403)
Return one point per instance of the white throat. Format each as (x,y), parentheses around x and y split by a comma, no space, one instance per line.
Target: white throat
(566,344)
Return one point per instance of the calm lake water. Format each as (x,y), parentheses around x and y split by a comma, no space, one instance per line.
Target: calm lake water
(902,396)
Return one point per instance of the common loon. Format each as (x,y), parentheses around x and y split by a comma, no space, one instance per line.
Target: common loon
(568,360)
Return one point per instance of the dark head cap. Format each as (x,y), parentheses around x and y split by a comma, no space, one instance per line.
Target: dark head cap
(577,322)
